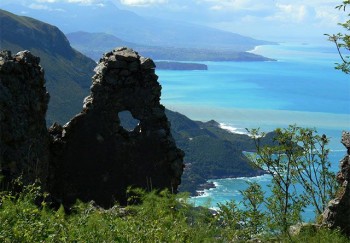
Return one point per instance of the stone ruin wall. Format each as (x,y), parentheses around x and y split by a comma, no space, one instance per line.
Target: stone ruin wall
(24,140)
(92,157)
(95,157)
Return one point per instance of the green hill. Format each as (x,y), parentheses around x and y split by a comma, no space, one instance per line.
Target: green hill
(68,73)
(211,152)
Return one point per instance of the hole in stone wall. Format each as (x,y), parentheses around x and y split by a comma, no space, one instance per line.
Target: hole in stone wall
(127,121)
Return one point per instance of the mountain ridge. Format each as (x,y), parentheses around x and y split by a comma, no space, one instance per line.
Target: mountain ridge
(95,44)
(132,27)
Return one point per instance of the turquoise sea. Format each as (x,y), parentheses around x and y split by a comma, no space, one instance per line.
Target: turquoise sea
(301,87)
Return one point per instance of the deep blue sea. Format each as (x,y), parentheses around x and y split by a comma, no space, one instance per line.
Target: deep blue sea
(301,87)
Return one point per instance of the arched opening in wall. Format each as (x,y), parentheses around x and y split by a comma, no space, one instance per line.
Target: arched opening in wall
(127,121)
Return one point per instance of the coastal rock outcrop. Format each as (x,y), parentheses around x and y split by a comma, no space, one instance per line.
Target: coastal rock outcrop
(24,140)
(337,214)
(95,158)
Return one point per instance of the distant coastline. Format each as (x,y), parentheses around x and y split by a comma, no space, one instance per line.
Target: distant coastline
(95,44)
(170,65)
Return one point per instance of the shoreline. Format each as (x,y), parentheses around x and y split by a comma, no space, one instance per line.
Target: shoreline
(210,185)
(202,188)
(180,66)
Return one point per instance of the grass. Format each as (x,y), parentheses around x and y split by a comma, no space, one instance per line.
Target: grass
(158,217)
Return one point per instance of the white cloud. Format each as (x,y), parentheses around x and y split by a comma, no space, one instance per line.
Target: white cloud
(84,2)
(43,7)
(143,2)
(235,5)
(46,1)
(329,17)
(87,2)
(290,13)
(38,6)
(216,7)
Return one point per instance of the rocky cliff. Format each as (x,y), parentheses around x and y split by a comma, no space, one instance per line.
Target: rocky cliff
(92,157)
(337,214)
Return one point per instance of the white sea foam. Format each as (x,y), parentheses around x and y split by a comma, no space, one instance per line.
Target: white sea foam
(338,150)
(216,184)
(202,194)
(256,48)
(206,192)
(262,178)
(232,129)
(265,177)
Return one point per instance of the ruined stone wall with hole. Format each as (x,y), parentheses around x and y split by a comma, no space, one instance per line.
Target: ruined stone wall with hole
(95,157)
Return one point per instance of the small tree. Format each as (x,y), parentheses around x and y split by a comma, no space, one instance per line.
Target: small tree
(231,218)
(297,159)
(255,218)
(312,168)
(244,224)
(284,204)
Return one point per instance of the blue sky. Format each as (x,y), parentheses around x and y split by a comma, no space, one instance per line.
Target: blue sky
(278,20)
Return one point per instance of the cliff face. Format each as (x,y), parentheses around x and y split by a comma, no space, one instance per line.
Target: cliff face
(24,140)
(67,72)
(337,214)
(92,157)
(38,35)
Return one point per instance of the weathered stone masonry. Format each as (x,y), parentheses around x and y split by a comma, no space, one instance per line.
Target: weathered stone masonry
(24,140)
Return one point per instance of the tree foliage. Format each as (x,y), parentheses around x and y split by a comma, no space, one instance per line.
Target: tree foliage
(342,41)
